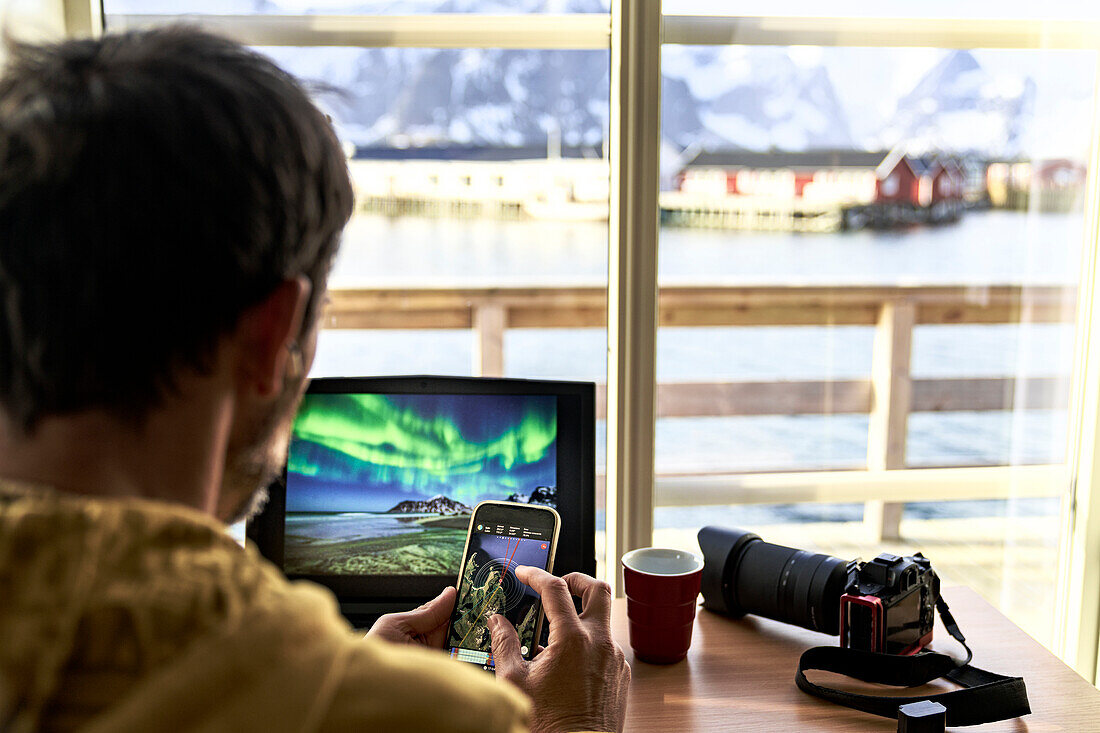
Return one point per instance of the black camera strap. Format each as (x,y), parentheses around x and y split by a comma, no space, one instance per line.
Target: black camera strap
(985,698)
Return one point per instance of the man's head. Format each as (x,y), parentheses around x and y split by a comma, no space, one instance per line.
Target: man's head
(157,189)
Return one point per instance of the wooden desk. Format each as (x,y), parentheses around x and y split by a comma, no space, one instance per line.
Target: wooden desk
(739,676)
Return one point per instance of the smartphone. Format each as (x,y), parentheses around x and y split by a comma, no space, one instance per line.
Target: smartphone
(503,535)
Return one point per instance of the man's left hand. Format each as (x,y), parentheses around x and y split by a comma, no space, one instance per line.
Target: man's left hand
(425,625)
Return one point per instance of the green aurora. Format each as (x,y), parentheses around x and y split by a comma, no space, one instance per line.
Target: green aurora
(385,448)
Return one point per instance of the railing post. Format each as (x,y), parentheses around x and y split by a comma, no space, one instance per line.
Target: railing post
(490,320)
(892,395)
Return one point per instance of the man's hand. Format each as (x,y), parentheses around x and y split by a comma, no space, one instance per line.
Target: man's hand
(425,625)
(579,682)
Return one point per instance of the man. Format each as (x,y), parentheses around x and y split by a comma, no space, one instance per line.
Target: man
(170,204)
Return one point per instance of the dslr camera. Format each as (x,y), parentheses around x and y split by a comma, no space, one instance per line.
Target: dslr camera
(885,605)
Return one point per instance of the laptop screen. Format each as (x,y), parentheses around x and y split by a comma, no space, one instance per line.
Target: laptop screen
(383,472)
(384,484)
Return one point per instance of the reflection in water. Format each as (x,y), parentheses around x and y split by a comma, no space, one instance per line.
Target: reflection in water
(349,526)
(984,247)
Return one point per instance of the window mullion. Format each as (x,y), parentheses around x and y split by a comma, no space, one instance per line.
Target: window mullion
(82,17)
(632,276)
(1078,600)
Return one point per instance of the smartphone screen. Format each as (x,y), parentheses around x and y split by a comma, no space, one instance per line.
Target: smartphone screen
(502,537)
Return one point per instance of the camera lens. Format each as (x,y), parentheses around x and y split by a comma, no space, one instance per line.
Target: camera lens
(782,583)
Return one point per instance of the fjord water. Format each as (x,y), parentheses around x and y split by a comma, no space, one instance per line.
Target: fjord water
(984,248)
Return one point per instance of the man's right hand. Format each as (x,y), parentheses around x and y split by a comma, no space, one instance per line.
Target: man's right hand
(580,681)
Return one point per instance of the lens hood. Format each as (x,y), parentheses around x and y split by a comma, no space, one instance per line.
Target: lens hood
(721,548)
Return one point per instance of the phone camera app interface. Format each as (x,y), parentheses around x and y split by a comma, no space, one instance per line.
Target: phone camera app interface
(489,585)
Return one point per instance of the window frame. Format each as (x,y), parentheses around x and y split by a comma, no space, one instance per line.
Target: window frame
(634,31)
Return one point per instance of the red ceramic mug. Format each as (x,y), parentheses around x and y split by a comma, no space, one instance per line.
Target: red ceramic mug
(662,587)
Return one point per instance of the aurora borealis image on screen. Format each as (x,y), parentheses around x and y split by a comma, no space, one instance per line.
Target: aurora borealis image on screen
(385,484)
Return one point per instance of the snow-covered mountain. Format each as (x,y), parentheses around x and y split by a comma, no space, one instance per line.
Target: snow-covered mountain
(547,495)
(998,103)
(520,97)
(757,98)
(712,97)
(959,105)
(474,97)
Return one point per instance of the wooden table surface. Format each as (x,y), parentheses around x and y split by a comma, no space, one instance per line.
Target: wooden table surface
(739,676)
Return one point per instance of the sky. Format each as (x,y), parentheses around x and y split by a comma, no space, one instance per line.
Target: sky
(371,452)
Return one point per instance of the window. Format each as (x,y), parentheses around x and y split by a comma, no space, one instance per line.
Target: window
(810,146)
(870,251)
(869,269)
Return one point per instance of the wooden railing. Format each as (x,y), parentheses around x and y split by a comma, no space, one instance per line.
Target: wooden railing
(888,396)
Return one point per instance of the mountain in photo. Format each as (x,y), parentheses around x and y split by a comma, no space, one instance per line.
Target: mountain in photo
(545,495)
(438,504)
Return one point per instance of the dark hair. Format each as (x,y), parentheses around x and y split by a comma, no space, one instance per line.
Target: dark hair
(153,186)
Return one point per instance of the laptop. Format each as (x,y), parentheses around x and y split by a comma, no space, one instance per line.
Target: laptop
(383,472)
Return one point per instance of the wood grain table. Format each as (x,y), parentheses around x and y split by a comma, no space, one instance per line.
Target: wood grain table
(739,676)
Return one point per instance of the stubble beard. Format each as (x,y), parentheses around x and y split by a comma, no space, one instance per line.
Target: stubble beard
(254,461)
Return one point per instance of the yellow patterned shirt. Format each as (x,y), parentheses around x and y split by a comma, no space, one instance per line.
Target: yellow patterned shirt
(139,615)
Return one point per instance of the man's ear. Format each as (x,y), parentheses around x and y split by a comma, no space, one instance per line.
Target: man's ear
(266,334)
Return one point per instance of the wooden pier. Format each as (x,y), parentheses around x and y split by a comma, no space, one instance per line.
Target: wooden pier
(682,210)
(442,208)
(750,213)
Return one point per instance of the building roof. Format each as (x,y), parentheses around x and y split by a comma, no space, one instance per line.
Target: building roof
(925,165)
(815,159)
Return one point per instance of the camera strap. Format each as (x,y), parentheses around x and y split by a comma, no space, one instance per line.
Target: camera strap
(986,697)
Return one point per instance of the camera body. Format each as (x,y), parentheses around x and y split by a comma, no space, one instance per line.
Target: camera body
(885,605)
(889,605)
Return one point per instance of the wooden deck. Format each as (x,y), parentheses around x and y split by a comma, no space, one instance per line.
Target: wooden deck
(1012,562)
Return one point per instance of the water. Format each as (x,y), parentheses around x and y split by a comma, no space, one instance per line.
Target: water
(350,525)
(754,515)
(983,248)
(994,247)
